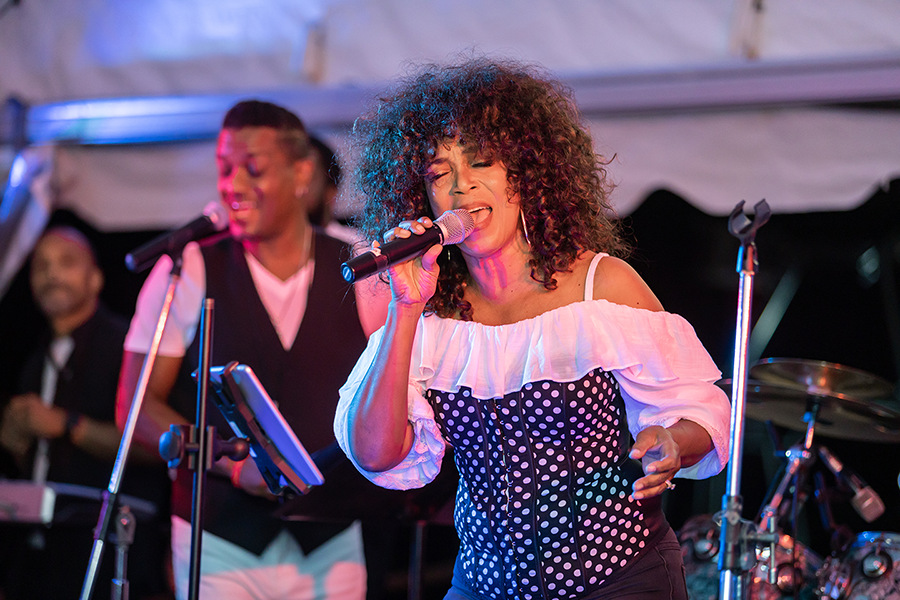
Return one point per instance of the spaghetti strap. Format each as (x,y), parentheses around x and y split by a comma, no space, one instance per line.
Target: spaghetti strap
(589,280)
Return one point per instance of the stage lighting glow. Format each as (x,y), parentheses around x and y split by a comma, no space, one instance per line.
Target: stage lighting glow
(17,171)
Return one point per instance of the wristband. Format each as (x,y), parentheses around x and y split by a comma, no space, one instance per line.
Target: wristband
(73,418)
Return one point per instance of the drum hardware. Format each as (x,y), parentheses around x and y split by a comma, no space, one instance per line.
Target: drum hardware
(827,388)
(821,378)
(866,571)
(800,458)
(796,569)
(828,399)
(867,565)
(841,535)
(846,403)
(851,404)
(699,539)
(876,564)
(705,549)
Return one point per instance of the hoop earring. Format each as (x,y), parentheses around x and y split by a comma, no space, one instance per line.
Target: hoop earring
(525,228)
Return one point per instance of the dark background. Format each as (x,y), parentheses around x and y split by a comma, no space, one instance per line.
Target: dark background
(840,314)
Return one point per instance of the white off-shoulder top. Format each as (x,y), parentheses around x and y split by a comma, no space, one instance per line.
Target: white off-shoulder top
(663,371)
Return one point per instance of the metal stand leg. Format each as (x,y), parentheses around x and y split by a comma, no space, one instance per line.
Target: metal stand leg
(125,526)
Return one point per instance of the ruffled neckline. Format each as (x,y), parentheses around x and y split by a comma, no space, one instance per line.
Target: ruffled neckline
(563,344)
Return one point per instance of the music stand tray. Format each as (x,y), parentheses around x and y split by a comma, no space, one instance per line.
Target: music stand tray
(281,458)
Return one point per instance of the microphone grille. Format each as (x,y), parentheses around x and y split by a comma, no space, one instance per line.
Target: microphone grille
(456,225)
(868,504)
(216,214)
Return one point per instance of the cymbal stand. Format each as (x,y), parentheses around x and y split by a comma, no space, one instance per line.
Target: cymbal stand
(734,554)
(799,458)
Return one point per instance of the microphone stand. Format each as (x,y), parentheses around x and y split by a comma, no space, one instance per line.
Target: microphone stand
(199,443)
(110,496)
(202,436)
(734,559)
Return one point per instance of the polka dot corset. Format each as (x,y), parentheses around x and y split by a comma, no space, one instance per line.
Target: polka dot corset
(543,508)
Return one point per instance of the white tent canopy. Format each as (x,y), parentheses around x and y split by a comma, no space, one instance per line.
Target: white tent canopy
(716,101)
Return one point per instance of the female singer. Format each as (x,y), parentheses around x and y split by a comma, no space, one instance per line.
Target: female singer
(530,347)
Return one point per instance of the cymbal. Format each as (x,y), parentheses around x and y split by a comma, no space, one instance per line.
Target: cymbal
(839,416)
(822,378)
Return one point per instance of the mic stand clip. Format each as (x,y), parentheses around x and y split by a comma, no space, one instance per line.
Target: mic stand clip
(182,441)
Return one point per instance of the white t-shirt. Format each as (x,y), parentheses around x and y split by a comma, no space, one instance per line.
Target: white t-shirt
(285,302)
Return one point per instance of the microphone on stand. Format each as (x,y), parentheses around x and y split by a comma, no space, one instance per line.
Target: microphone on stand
(452,227)
(213,220)
(865,501)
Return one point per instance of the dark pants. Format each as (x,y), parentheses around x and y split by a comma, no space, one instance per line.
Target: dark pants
(657,575)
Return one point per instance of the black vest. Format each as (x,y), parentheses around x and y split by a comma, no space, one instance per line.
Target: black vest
(303,381)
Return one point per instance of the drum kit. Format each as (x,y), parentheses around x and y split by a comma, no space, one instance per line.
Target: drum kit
(820,399)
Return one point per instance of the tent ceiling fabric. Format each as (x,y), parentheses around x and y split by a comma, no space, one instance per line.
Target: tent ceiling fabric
(627,62)
(787,156)
(59,50)
(739,86)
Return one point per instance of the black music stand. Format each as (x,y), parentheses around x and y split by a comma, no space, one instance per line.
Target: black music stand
(279,455)
(253,416)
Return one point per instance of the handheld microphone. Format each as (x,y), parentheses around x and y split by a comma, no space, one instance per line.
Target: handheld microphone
(865,501)
(213,220)
(452,227)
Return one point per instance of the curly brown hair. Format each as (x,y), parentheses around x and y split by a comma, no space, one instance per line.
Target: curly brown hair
(513,113)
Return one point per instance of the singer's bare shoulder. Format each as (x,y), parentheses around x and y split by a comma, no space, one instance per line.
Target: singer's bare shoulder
(616,281)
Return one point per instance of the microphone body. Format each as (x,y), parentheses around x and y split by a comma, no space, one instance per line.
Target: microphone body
(213,220)
(452,227)
(865,500)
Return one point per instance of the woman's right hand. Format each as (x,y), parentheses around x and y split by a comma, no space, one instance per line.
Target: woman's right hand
(414,281)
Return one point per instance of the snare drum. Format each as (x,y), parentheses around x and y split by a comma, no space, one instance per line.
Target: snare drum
(699,540)
(869,570)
